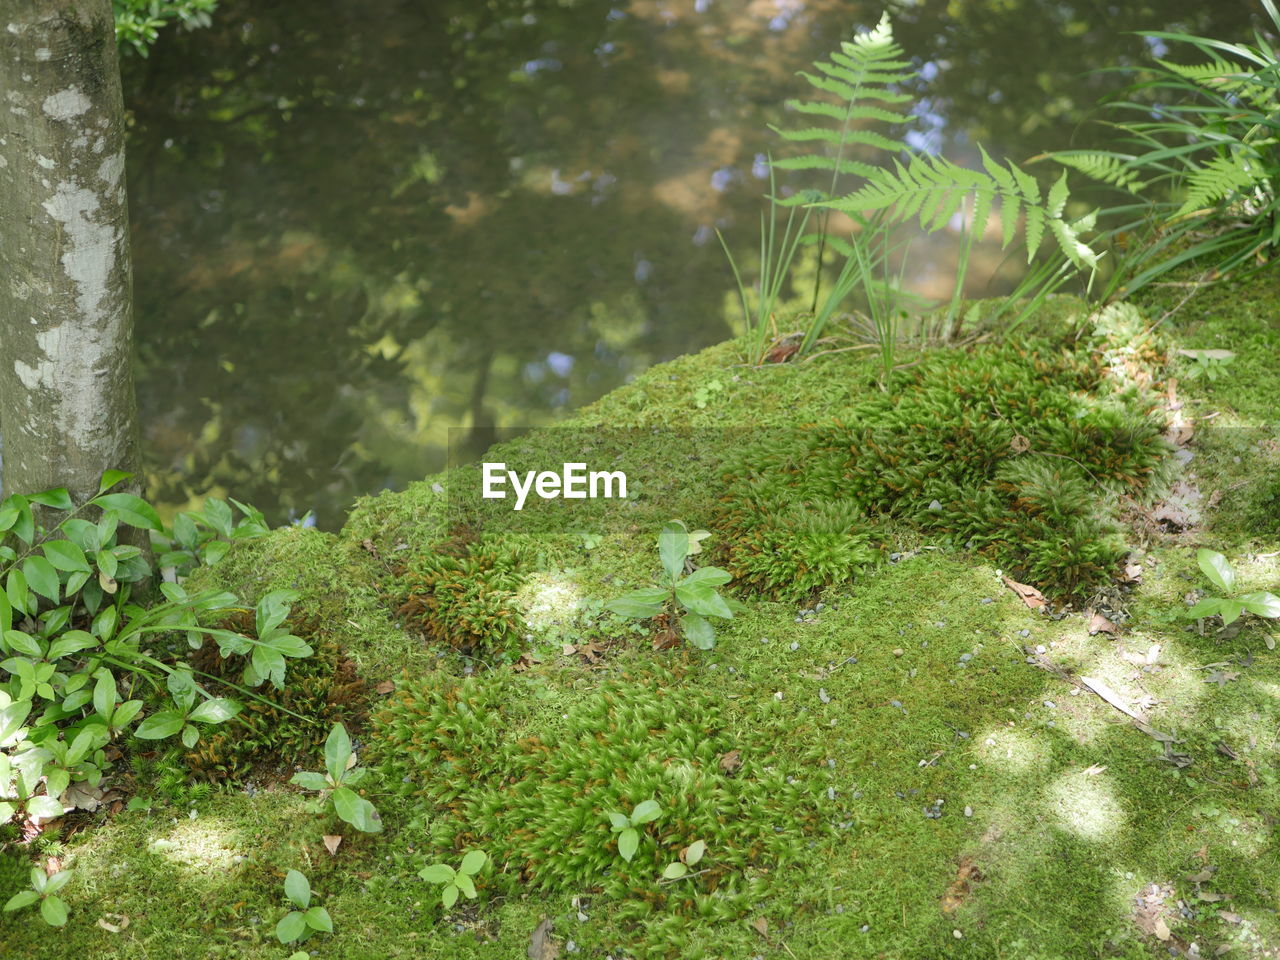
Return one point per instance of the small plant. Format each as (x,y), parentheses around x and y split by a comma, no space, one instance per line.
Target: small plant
(298,925)
(1207,364)
(628,827)
(204,536)
(45,890)
(454,882)
(695,593)
(340,776)
(707,392)
(1218,570)
(689,857)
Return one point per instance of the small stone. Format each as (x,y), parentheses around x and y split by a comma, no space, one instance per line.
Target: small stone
(898,651)
(986,600)
(823,695)
(896,703)
(764,639)
(1050,704)
(966,657)
(831,762)
(831,793)
(778,695)
(865,927)
(1024,633)
(957,934)
(819,608)
(935,505)
(1040,648)
(795,645)
(571,947)
(968,811)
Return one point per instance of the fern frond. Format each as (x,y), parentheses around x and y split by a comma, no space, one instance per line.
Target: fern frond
(813,161)
(1104,166)
(1220,179)
(931,189)
(1222,77)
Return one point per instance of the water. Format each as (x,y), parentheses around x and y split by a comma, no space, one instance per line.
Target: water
(359,225)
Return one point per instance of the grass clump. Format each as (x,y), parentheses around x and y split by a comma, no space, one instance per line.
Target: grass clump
(1021,452)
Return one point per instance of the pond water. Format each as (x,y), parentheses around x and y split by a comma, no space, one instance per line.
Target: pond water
(359,226)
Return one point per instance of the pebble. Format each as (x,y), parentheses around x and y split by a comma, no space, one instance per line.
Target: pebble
(968,811)
(823,695)
(1024,633)
(819,608)
(795,645)
(986,600)
(957,934)
(831,793)
(1050,704)
(935,505)
(898,651)
(764,639)
(966,657)
(778,695)
(1040,648)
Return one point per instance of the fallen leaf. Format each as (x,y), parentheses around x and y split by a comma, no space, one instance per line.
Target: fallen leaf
(1160,929)
(1209,897)
(783,350)
(966,876)
(1132,573)
(1222,677)
(331,843)
(1229,917)
(1207,354)
(1019,443)
(761,926)
(113,922)
(524,662)
(1032,597)
(1113,698)
(568,649)
(1094,770)
(1203,876)
(731,761)
(541,946)
(1100,624)
(1180,509)
(590,652)
(386,686)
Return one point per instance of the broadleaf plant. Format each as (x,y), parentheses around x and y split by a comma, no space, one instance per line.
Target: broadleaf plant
(299,924)
(627,826)
(687,601)
(336,783)
(1220,573)
(454,882)
(43,890)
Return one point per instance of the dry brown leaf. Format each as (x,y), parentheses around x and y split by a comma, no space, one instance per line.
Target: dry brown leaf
(731,761)
(113,922)
(1029,595)
(1019,443)
(966,876)
(761,926)
(1160,929)
(1210,897)
(541,946)
(331,843)
(1095,769)
(590,652)
(568,649)
(1132,573)
(1181,508)
(524,662)
(386,686)
(1100,624)
(1113,698)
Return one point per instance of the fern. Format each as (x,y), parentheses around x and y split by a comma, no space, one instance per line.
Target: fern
(1222,178)
(863,69)
(1105,166)
(934,189)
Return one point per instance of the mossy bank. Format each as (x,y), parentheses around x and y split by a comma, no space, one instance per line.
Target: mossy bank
(887,754)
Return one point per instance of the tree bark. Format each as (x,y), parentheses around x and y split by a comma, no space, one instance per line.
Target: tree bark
(67,406)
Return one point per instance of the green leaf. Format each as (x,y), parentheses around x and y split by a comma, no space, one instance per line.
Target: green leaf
(73,641)
(105,694)
(1262,604)
(472,862)
(673,547)
(709,576)
(24,898)
(16,590)
(620,821)
(337,752)
(628,843)
(217,710)
(437,873)
(694,852)
(640,604)
(112,477)
(107,562)
(160,725)
(356,810)
(675,871)
(12,718)
(53,911)
(1217,569)
(46,808)
(218,515)
(645,812)
(133,510)
(1208,607)
(65,555)
(466,885)
(698,631)
(310,781)
(449,896)
(703,599)
(23,643)
(298,889)
(317,918)
(58,881)
(1230,611)
(190,736)
(41,577)
(290,927)
(57,498)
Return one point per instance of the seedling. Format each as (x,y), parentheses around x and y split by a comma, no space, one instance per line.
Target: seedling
(298,925)
(340,776)
(694,594)
(1220,574)
(1209,364)
(454,881)
(45,890)
(628,827)
(689,857)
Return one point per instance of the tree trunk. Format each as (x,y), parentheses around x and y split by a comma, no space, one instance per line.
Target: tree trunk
(67,407)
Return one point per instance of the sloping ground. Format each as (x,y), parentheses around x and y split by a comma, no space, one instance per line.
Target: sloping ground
(909,763)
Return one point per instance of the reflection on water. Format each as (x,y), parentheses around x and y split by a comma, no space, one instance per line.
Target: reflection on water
(359,225)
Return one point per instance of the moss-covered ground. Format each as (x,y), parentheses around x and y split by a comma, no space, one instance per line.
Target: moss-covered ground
(904,763)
